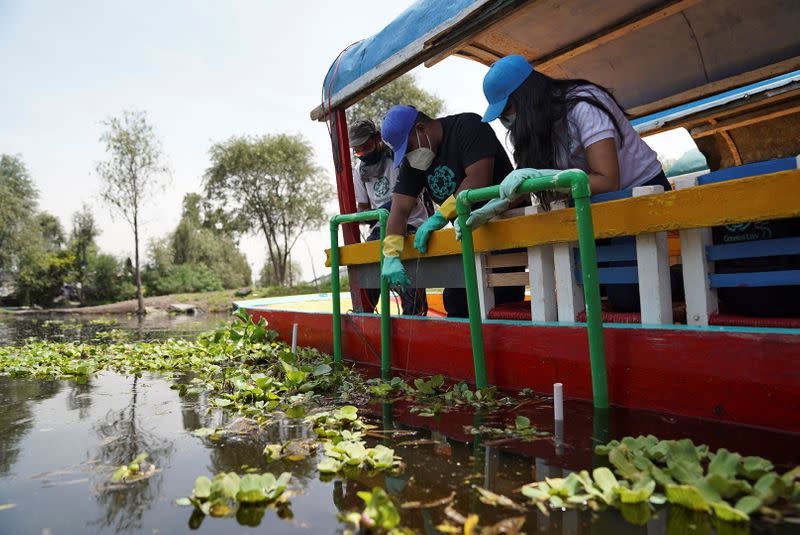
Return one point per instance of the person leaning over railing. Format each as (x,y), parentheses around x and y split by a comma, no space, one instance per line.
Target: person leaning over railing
(565,124)
(374,178)
(443,156)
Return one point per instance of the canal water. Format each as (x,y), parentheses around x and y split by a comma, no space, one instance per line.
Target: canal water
(61,440)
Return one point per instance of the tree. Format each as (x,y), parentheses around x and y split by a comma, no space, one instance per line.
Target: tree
(82,243)
(131,175)
(52,231)
(267,275)
(273,185)
(18,203)
(403,90)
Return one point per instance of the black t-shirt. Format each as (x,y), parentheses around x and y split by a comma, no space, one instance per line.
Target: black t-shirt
(465,140)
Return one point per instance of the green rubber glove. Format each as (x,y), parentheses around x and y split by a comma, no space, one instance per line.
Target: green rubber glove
(512,182)
(433,223)
(394,272)
(487,211)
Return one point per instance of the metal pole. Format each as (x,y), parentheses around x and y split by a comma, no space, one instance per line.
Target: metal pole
(382,215)
(471,283)
(578,183)
(337,307)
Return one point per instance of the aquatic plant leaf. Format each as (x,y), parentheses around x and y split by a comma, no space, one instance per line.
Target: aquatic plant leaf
(748,504)
(251,489)
(770,487)
(754,467)
(119,474)
(683,461)
(790,476)
(183,501)
(657,499)
(471,524)
(728,487)
(604,449)
(272,452)
(222,402)
(725,512)
(522,422)
(637,513)
(225,485)
(347,412)
(624,466)
(139,458)
(322,369)
(202,487)
(724,464)
(607,482)
(687,496)
(380,509)
(535,493)
(381,457)
(638,494)
(329,465)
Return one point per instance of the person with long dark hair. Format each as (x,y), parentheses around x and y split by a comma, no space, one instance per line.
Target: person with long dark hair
(565,124)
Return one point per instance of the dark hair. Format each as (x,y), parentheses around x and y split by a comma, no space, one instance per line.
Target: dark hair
(423,118)
(540,131)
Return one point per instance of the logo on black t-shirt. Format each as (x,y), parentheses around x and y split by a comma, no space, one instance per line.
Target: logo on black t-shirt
(441,182)
(381,186)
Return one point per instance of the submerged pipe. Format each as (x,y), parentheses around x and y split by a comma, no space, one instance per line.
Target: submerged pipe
(578,183)
(382,215)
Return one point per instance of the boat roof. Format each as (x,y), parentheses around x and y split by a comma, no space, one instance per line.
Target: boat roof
(654,55)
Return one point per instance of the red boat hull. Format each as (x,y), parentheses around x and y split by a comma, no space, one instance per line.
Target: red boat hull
(742,376)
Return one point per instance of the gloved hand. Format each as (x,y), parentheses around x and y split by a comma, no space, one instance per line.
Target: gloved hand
(394,272)
(511,183)
(486,212)
(435,222)
(392,269)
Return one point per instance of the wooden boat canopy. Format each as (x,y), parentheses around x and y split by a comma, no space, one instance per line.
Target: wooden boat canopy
(654,55)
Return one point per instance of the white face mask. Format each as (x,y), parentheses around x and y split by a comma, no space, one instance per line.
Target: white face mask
(508,121)
(421,158)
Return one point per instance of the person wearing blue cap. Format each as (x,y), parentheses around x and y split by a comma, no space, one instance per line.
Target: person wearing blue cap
(565,124)
(443,156)
(374,177)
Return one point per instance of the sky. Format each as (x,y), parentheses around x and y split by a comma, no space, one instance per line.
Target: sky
(203,71)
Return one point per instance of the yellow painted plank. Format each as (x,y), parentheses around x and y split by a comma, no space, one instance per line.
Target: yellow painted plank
(759,198)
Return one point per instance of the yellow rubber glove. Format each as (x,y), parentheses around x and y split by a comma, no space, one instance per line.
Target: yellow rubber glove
(392,269)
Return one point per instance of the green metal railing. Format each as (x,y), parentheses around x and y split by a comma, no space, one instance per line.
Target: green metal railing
(382,215)
(578,184)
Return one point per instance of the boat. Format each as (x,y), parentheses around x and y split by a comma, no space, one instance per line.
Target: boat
(727,71)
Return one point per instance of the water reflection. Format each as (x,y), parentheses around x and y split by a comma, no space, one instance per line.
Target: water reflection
(122,435)
(18,399)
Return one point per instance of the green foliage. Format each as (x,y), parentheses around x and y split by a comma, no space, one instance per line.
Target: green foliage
(82,242)
(19,198)
(228,492)
(272,184)
(184,278)
(51,230)
(107,280)
(403,90)
(139,468)
(380,515)
(132,173)
(41,276)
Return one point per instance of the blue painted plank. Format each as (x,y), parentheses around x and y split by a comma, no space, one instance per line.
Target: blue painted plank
(620,250)
(750,169)
(612,196)
(613,275)
(754,249)
(756,279)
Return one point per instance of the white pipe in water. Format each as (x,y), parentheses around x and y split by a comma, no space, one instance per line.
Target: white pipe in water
(558,402)
(294,338)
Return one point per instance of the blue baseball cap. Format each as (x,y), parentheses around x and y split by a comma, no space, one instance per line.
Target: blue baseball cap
(505,76)
(396,126)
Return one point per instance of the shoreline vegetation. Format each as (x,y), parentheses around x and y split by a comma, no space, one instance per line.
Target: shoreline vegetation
(203,302)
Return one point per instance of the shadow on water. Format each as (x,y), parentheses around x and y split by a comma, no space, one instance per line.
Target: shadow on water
(60,441)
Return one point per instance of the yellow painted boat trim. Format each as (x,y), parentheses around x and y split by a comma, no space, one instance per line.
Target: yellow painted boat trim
(759,198)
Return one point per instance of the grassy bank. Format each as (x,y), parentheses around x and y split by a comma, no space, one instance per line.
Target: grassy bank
(217,301)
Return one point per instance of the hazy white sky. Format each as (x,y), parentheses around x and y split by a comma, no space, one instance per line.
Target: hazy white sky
(203,71)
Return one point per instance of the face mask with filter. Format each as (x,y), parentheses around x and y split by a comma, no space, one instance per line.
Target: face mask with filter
(421,158)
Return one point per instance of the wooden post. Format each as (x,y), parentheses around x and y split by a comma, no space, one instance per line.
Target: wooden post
(652,265)
(569,296)
(485,293)
(701,299)
(541,279)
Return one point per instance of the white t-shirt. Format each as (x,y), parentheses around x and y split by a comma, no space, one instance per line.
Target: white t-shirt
(378,185)
(638,163)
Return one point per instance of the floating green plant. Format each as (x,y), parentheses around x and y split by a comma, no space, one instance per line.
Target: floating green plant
(227,492)
(139,468)
(379,515)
